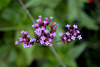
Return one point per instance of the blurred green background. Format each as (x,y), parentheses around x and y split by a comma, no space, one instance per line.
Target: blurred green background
(83,53)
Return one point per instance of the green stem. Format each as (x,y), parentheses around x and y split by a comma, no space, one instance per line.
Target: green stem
(20,1)
(58,58)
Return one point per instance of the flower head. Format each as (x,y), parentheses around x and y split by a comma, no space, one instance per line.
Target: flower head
(43,34)
(71,34)
(28,42)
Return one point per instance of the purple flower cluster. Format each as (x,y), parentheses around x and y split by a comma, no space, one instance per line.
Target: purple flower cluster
(28,42)
(45,36)
(71,34)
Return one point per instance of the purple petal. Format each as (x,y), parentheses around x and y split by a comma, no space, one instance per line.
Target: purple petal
(51,17)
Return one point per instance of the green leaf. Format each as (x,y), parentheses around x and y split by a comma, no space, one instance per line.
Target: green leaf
(87,21)
(72,10)
(3,64)
(4,3)
(11,15)
(32,3)
(54,3)
(47,64)
(70,62)
(14,28)
(48,12)
(76,51)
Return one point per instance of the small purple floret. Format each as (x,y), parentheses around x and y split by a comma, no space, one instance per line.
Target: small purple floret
(50,40)
(28,36)
(79,36)
(21,39)
(47,43)
(41,41)
(25,32)
(16,42)
(32,39)
(72,37)
(40,16)
(75,26)
(77,31)
(60,34)
(43,38)
(55,23)
(68,25)
(22,31)
(33,25)
(51,17)
(46,31)
(67,33)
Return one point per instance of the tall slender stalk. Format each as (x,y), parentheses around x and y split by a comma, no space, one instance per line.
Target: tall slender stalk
(52,49)
(20,1)
(58,58)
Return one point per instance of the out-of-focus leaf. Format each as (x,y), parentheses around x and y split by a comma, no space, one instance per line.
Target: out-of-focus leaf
(47,64)
(75,52)
(38,11)
(4,3)
(7,55)
(32,3)
(3,64)
(9,15)
(72,10)
(12,56)
(21,59)
(69,62)
(54,3)
(3,51)
(13,28)
(72,54)
(49,12)
(29,54)
(88,22)
(9,28)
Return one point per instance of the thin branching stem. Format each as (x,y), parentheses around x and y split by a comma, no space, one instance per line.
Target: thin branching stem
(58,58)
(51,47)
(20,1)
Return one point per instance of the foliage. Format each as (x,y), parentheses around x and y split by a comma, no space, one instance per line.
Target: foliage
(13,19)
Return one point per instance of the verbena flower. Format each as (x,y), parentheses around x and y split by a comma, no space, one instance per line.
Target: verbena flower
(28,42)
(45,36)
(71,34)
